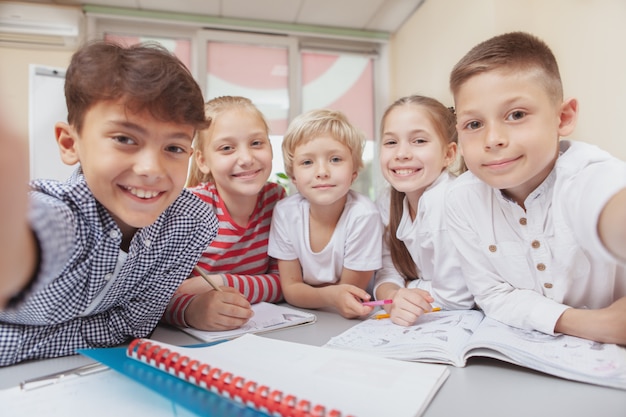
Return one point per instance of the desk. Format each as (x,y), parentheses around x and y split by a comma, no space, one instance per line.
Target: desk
(486,387)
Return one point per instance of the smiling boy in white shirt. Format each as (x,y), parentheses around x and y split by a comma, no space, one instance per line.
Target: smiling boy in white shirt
(539,222)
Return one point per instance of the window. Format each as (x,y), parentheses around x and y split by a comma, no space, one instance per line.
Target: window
(283,74)
(257,72)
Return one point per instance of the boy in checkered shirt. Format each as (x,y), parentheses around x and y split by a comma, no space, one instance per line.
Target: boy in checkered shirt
(94,260)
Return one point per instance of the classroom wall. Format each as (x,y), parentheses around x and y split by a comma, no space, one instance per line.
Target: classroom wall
(14,78)
(586,37)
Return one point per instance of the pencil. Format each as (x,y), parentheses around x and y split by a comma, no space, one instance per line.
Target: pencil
(206,278)
(435,309)
(381,316)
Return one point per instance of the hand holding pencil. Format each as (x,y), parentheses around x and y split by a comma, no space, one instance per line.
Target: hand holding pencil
(223,309)
(206,277)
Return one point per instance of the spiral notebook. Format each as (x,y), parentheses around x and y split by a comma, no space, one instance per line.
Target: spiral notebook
(285,378)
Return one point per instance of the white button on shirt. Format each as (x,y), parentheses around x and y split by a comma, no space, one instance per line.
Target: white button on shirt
(525,267)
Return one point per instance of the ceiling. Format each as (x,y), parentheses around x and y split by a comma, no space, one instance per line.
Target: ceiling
(369,15)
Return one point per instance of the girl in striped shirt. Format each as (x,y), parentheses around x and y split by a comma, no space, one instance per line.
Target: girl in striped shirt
(229,171)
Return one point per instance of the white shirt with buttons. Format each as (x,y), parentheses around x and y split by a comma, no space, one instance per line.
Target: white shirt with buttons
(526,267)
(430,247)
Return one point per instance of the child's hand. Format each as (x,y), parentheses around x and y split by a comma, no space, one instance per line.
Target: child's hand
(616,322)
(17,245)
(197,285)
(605,325)
(408,305)
(346,299)
(218,310)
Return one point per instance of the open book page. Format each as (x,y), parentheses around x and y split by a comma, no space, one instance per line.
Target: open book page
(436,337)
(350,382)
(562,355)
(267,317)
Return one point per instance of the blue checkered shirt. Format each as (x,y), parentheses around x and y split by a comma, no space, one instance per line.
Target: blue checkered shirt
(87,292)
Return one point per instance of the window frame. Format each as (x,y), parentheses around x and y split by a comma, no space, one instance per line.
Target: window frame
(291,44)
(295,42)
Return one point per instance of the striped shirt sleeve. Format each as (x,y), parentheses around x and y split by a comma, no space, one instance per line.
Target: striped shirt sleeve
(175,311)
(259,287)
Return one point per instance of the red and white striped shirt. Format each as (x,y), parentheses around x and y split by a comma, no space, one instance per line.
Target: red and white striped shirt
(238,253)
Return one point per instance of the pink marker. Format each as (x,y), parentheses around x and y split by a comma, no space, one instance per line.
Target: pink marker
(376,303)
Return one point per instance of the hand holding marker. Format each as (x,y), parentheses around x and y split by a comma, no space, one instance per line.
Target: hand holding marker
(385,315)
(376,303)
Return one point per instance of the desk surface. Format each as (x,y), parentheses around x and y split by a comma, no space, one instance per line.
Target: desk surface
(485,387)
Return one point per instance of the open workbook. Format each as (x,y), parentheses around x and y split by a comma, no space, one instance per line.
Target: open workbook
(453,337)
(282,378)
(267,317)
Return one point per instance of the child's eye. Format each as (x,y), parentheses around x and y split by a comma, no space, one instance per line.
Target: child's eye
(335,159)
(389,142)
(124,140)
(177,149)
(516,115)
(258,143)
(419,140)
(226,148)
(473,125)
(306,162)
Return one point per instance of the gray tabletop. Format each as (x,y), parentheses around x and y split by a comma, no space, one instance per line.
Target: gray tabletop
(485,387)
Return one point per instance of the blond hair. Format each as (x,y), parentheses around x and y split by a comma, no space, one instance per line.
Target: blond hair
(212,109)
(316,123)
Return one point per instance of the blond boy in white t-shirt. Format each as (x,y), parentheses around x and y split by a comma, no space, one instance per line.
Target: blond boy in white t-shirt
(327,238)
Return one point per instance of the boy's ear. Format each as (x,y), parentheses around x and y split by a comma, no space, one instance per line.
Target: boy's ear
(66,139)
(568,117)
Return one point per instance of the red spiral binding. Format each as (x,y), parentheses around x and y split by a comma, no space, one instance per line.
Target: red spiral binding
(302,409)
(169,358)
(247,393)
(199,373)
(158,359)
(188,370)
(223,382)
(237,385)
(237,388)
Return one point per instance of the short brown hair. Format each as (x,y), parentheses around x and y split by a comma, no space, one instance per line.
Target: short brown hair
(515,51)
(315,123)
(146,76)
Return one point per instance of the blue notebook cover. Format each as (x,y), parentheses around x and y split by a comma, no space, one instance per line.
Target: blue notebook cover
(195,399)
